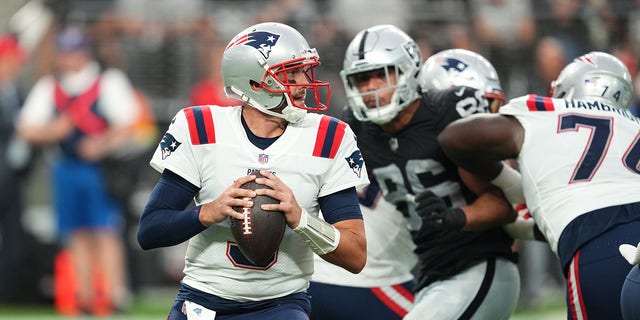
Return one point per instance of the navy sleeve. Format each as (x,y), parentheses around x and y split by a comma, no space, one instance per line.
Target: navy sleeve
(166,220)
(341,205)
(370,195)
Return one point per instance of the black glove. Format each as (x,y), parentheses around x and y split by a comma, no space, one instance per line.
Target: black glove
(434,212)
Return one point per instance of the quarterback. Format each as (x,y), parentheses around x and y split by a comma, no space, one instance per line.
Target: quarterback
(310,162)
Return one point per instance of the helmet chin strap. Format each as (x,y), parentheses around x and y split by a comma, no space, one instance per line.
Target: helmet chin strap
(286,110)
(290,112)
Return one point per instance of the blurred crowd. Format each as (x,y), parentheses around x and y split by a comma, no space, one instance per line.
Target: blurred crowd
(166,47)
(170,51)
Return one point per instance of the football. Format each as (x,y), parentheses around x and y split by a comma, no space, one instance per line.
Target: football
(259,234)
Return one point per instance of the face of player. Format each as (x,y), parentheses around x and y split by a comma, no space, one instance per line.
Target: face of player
(296,76)
(376,86)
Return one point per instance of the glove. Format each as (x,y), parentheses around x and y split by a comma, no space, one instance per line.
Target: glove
(630,253)
(434,212)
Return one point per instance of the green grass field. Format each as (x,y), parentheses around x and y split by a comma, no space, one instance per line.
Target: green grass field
(154,304)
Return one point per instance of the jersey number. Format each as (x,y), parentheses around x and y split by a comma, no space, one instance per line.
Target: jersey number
(396,191)
(471,105)
(597,146)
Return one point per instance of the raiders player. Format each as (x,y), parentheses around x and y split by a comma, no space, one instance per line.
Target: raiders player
(461,274)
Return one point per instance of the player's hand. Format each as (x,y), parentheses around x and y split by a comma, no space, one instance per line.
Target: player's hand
(280,191)
(631,253)
(434,212)
(218,210)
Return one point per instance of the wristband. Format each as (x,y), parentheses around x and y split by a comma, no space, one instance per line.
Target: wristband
(522,229)
(510,181)
(524,226)
(321,237)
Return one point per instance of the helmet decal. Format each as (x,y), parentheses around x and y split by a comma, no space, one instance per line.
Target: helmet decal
(586,58)
(595,75)
(452,64)
(261,40)
(461,67)
(276,80)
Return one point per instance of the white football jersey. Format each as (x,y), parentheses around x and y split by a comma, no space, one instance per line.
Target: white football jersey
(577,156)
(390,256)
(208,146)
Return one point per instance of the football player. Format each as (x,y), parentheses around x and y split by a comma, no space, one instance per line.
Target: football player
(310,162)
(578,152)
(460,273)
(475,71)
(459,67)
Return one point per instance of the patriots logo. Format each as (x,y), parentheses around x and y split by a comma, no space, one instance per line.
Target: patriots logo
(356,163)
(451,64)
(168,144)
(261,40)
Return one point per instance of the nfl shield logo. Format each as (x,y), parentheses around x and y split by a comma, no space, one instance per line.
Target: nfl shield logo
(263,158)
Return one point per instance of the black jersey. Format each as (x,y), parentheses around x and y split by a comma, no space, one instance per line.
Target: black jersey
(410,161)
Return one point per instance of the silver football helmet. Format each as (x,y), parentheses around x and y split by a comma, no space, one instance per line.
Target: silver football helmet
(596,75)
(256,65)
(387,49)
(460,67)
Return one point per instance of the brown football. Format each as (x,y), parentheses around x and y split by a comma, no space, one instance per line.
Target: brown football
(259,234)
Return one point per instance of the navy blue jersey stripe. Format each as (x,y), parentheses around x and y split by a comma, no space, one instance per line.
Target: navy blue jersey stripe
(200,126)
(540,103)
(328,140)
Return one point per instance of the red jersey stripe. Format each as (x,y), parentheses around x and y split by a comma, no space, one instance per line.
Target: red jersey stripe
(539,103)
(320,136)
(399,310)
(200,122)
(404,292)
(339,133)
(191,122)
(329,137)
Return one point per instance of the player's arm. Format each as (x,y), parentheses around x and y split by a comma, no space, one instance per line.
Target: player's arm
(166,219)
(341,243)
(490,209)
(480,142)
(342,211)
